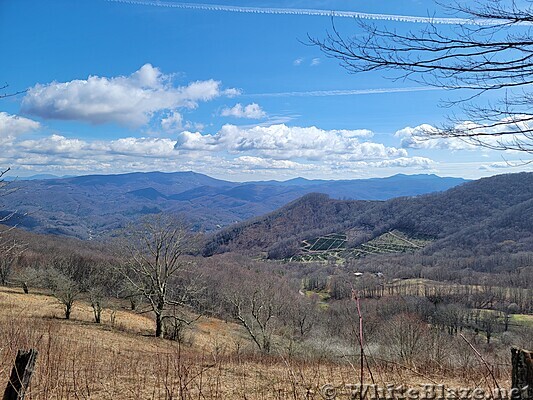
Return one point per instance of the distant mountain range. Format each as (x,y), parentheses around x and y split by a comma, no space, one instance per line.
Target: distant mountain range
(93,206)
(482,217)
(36,177)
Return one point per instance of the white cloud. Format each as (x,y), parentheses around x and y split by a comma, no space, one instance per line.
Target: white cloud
(284,142)
(354,133)
(419,137)
(400,162)
(315,62)
(173,122)
(405,162)
(252,163)
(516,131)
(55,144)
(427,136)
(501,165)
(231,92)
(12,126)
(250,111)
(298,61)
(127,100)
(77,148)
(151,147)
(267,152)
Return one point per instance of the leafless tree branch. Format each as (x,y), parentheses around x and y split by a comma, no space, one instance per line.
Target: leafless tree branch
(495,57)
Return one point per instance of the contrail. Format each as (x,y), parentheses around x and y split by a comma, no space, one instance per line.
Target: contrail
(349,92)
(309,12)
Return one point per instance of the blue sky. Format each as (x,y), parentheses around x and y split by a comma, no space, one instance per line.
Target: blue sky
(122,86)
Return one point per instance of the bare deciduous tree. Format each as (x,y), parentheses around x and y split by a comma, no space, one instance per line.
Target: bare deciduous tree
(98,298)
(25,277)
(303,316)
(490,324)
(488,51)
(63,287)
(403,335)
(4,191)
(156,251)
(101,283)
(508,311)
(257,303)
(10,250)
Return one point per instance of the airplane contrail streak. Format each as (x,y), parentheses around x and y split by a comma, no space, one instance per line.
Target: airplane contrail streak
(309,12)
(348,92)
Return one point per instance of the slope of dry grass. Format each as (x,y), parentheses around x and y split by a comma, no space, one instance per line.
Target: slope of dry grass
(82,360)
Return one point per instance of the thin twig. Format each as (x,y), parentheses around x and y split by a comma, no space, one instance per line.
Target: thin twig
(483,360)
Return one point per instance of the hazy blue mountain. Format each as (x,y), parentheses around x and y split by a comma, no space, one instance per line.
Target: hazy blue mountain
(94,205)
(399,185)
(36,177)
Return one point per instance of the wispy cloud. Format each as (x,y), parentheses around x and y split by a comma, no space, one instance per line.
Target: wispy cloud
(309,12)
(500,165)
(347,92)
(250,111)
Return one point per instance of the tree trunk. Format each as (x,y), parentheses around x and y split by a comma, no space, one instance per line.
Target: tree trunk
(158,325)
(21,375)
(506,320)
(68,309)
(522,376)
(266,344)
(97,311)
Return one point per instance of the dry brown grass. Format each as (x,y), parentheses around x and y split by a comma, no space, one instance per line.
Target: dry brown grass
(82,360)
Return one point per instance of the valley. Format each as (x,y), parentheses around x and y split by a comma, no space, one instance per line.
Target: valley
(269,307)
(89,207)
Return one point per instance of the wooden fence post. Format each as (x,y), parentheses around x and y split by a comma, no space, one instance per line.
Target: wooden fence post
(20,375)
(522,377)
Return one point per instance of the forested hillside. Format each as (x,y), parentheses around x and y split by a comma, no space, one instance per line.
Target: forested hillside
(91,207)
(481,216)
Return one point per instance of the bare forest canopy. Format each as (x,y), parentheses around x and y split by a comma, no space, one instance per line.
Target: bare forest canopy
(482,217)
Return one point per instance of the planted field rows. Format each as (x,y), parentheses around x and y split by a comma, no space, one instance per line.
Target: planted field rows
(333,246)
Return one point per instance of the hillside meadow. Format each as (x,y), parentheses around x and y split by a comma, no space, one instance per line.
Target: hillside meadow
(118,359)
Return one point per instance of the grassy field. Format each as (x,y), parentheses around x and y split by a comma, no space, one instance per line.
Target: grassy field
(79,359)
(522,319)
